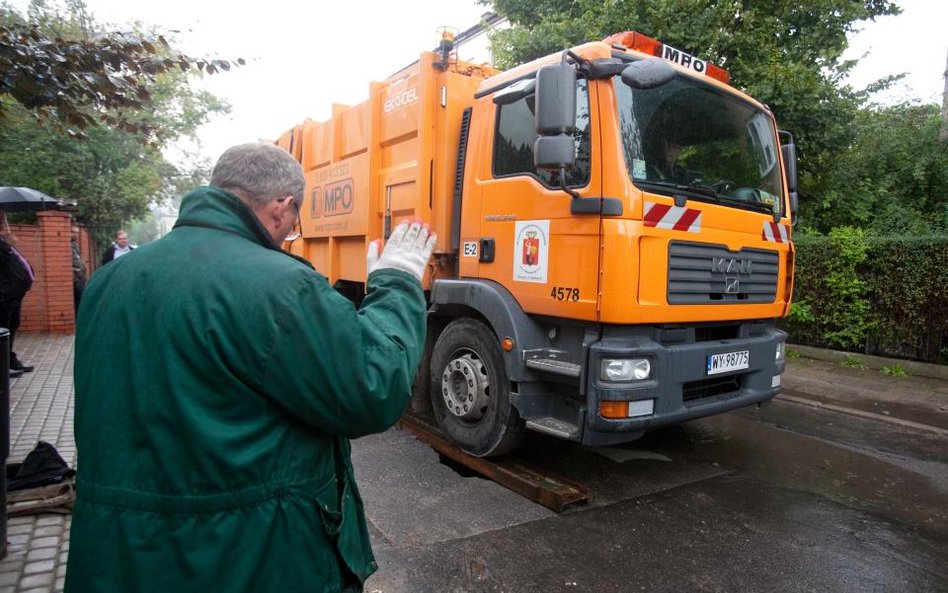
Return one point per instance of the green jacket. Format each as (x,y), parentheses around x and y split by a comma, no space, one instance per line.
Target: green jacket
(218,380)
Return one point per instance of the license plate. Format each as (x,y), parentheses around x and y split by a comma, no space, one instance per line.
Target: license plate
(728,361)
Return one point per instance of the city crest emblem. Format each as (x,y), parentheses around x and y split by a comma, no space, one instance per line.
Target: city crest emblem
(531,251)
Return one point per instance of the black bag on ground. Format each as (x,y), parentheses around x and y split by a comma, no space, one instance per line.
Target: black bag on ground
(42,467)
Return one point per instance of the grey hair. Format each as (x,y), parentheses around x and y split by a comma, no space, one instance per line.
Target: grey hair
(258,173)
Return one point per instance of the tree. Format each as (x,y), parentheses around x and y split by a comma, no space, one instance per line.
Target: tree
(62,69)
(893,178)
(786,53)
(115,169)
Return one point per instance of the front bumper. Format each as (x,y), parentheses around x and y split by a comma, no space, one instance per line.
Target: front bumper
(680,387)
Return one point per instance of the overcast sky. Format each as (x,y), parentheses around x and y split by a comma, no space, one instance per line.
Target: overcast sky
(302,57)
(915,42)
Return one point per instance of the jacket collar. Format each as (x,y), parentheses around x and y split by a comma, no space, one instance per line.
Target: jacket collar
(216,208)
(213,207)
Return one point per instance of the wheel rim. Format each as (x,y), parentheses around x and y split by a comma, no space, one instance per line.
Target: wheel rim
(465,386)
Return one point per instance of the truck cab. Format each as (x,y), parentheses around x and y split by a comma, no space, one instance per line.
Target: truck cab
(649,249)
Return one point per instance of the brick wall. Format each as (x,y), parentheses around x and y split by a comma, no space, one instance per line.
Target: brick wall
(48,306)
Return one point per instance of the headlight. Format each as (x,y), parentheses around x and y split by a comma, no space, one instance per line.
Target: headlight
(781,351)
(624,369)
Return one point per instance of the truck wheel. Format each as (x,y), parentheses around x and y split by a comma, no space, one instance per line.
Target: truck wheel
(470,392)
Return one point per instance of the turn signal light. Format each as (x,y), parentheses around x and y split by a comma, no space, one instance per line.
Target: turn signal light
(618,410)
(612,409)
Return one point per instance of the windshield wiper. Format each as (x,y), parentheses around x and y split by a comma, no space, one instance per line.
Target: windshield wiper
(703,190)
(758,206)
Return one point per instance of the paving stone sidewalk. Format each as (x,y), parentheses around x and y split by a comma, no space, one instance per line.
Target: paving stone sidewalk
(41,408)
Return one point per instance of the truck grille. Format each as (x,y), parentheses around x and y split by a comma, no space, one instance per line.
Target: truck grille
(702,274)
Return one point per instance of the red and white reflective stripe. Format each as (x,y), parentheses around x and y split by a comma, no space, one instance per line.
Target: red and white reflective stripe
(672,217)
(775,233)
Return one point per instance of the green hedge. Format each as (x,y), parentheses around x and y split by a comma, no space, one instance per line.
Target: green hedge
(879,295)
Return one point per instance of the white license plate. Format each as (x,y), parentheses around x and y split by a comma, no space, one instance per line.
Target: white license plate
(728,361)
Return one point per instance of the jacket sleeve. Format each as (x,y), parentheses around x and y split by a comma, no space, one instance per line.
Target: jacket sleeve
(345,371)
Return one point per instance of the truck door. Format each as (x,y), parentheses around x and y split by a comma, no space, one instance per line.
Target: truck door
(529,241)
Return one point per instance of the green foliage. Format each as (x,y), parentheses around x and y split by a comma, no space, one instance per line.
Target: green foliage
(893,178)
(63,70)
(907,282)
(793,353)
(801,312)
(114,172)
(846,315)
(904,285)
(893,371)
(853,363)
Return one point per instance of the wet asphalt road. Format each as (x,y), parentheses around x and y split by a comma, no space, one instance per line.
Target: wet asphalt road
(783,498)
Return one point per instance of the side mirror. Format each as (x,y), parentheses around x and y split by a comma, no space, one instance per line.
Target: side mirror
(789,150)
(554,152)
(555,100)
(647,74)
(790,164)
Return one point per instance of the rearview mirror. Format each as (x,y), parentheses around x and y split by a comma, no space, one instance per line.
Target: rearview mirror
(790,165)
(555,100)
(647,74)
(789,150)
(554,152)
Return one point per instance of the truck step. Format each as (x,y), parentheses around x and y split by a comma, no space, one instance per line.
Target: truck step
(554,427)
(550,365)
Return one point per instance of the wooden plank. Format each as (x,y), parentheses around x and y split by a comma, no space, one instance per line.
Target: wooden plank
(551,491)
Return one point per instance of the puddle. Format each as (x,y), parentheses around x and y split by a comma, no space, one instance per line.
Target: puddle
(845,474)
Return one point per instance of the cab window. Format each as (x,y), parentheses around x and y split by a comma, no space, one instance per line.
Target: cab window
(516,134)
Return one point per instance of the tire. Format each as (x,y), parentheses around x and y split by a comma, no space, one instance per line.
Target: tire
(470,392)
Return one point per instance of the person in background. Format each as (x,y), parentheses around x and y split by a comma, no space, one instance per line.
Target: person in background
(118,248)
(16,278)
(79,274)
(231,377)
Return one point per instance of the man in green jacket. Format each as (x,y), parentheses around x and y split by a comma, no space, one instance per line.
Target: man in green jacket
(218,380)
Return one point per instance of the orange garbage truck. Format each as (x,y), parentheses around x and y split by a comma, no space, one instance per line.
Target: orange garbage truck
(614,226)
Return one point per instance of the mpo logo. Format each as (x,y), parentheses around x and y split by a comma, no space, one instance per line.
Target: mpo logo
(332,199)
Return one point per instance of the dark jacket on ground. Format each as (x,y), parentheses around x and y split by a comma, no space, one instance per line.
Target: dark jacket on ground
(218,380)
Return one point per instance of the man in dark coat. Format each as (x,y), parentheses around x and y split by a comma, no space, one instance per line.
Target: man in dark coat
(218,382)
(16,278)
(118,248)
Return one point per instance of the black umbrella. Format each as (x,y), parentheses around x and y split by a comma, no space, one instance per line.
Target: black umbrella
(23,199)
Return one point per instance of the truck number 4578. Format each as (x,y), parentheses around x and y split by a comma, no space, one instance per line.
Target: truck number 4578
(560,293)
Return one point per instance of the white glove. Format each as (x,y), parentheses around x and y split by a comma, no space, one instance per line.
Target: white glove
(407,249)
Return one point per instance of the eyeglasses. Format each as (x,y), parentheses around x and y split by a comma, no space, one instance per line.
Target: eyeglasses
(295,234)
(297,231)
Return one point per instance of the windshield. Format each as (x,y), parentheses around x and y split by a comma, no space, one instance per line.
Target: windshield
(688,137)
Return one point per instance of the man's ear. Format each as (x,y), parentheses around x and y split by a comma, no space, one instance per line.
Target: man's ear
(290,203)
(281,207)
